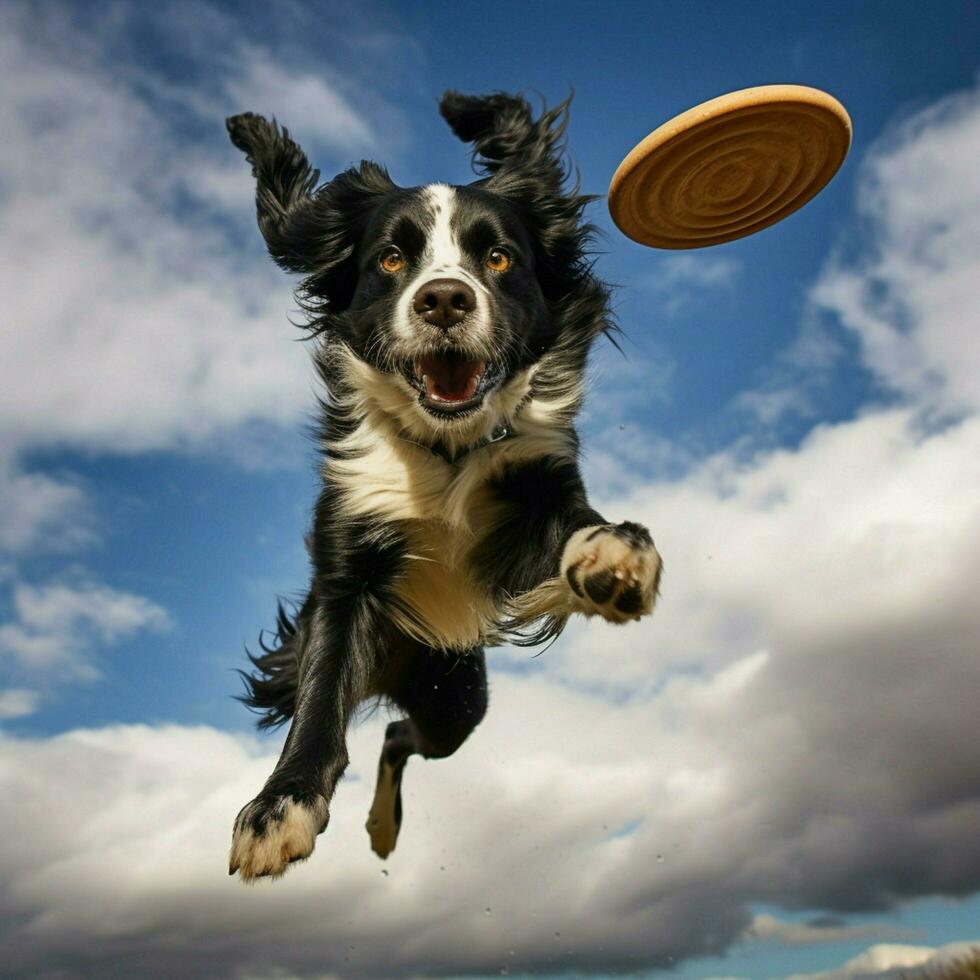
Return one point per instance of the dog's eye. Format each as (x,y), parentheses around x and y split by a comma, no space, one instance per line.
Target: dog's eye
(392,260)
(498,260)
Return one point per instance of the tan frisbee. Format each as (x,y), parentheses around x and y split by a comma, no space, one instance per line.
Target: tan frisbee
(730,167)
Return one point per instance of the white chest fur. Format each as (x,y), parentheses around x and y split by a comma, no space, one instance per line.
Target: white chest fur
(444,511)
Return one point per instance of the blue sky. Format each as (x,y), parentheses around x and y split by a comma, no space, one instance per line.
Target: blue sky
(796,420)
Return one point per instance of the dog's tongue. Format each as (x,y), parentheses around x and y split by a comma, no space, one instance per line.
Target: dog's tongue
(451,379)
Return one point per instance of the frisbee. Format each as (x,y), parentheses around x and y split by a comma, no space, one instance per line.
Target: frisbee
(730,167)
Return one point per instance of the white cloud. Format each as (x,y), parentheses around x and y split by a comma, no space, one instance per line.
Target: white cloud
(600,837)
(132,322)
(911,298)
(769,929)
(39,512)
(17,702)
(799,377)
(884,957)
(680,281)
(147,331)
(57,625)
(317,108)
(905,286)
(687,269)
(887,961)
(870,526)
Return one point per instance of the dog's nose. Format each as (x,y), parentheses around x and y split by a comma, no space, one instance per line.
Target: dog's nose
(444,302)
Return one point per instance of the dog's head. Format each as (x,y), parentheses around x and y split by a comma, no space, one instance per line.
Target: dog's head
(444,301)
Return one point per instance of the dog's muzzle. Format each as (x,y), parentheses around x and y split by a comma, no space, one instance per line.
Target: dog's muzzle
(451,384)
(444,303)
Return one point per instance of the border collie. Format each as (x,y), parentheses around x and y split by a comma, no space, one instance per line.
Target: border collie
(450,326)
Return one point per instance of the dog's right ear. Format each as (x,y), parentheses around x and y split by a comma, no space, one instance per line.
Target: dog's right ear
(284,183)
(310,230)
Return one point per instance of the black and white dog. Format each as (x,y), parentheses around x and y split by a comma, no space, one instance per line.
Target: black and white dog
(451,327)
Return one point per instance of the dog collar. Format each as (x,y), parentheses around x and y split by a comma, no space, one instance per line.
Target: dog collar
(499,434)
(502,432)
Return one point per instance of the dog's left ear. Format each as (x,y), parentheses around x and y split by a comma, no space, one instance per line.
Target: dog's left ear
(506,136)
(522,157)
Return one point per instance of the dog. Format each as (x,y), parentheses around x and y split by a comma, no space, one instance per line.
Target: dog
(450,326)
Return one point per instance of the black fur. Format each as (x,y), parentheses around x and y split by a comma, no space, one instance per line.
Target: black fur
(344,643)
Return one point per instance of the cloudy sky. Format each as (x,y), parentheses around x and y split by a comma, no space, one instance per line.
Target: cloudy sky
(775,776)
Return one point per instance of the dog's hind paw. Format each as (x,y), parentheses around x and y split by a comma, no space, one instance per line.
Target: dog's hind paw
(613,570)
(383,831)
(272,832)
(385,819)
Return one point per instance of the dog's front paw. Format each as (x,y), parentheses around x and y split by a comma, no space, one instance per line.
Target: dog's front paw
(613,570)
(272,832)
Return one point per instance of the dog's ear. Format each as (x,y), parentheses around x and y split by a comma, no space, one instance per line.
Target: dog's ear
(522,157)
(309,230)
(333,224)
(498,125)
(284,183)
(505,135)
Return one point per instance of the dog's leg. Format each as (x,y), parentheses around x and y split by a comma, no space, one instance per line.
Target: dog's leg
(554,555)
(611,570)
(281,824)
(385,817)
(445,695)
(607,570)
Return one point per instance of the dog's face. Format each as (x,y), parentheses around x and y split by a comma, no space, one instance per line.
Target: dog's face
(448,294)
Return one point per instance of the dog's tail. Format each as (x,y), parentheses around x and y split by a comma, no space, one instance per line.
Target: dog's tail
(271,691)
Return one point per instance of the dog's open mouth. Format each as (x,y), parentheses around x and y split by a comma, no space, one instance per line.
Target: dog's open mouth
(450,383)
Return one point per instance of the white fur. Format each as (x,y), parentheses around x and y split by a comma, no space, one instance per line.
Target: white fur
(389,473)
(631,565)
(588,553)
(285,840)
(442,258)
(389,404)
(443,253)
